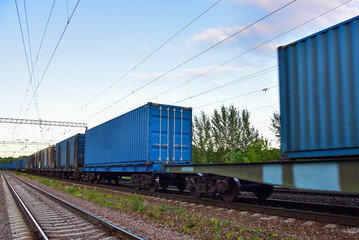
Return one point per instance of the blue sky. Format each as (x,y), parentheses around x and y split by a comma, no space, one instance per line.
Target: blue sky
(107,39)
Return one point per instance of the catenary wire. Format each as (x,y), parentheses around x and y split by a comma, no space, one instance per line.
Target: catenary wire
(144,59)
(32,80)
(26,55)
(242,79)
(36,60)
(267,106)
(41,42)
(276,37)
(190,59)
(28,33)
(250,50)
(22,37)
(52,55)
(43,37)
(238,96)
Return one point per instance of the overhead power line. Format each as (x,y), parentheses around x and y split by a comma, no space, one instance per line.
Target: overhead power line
(145,58)
(52,55)
(24,46)
(42,122)
(238,96)
(27,59)
(248,51)
(190,59)
(260,108)
(242,79)
(37,57)
(28,33)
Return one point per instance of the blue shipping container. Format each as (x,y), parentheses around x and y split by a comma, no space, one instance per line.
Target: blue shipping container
(319,100)
(153,133)
(70,152)
(22,163)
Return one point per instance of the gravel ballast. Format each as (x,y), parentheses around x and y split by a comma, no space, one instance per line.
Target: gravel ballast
(176,220)
(5,232)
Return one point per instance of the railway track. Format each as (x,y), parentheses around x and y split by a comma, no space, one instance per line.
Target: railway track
(338,214)
(52,218)
(316,193)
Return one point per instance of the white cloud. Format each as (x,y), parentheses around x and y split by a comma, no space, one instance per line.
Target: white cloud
(142,76)
(299,12)
(269,47)
(211,35)
(222,69)
(292,16)
(218,83)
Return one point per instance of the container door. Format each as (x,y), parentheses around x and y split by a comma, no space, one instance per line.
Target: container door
(170,133)
(181,121)
(160,122)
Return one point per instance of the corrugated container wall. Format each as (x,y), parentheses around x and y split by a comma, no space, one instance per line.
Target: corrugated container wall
(49,156)
(38,159)
(319,100)
(22,163)
(153,133)
(70,152)
(30,162)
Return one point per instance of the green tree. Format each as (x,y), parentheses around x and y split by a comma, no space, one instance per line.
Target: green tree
(228,130)
(249,132)
(231,129)
(259,150)
(10,159)
(202,139)
(275,125)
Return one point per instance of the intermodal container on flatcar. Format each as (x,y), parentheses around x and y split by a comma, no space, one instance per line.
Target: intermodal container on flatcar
(21,163)
(38,160)
(151,134)
(30,161)
(70,152)
(49,156)
(319,100)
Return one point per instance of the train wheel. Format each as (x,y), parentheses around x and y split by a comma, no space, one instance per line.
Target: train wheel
(263,192)
(153,187)
(181,185)
(116,180)
(90,180)
(97,179)
(230,194)
(195,193)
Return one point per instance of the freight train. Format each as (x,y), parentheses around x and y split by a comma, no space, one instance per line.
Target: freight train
(319,81)
(138,144)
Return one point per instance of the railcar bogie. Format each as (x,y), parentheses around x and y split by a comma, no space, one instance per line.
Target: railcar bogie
(210,185)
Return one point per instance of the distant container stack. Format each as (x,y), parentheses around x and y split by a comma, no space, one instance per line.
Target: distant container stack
(319,100)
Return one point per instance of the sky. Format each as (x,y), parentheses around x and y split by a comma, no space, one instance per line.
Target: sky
(100,59)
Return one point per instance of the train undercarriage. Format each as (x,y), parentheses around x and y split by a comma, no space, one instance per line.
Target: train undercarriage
(199,185)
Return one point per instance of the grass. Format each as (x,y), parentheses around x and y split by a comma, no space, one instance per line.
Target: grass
(175,217)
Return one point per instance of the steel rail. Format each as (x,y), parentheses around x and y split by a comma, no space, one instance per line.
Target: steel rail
(107,225)
(314,192)
(26,212)
(282,208)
